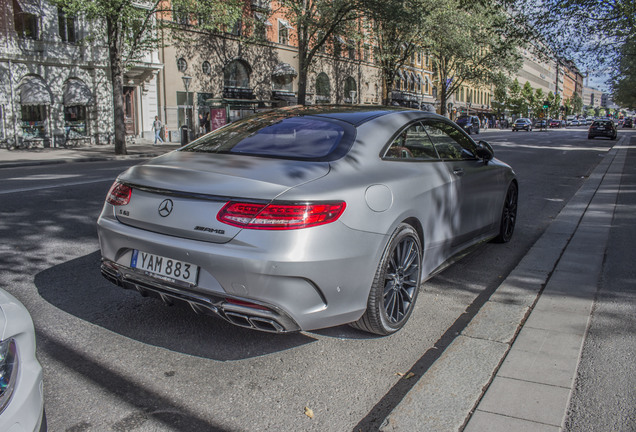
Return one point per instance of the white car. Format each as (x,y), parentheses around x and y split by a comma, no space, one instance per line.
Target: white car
(21,389)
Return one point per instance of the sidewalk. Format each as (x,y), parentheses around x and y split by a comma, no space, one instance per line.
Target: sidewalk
(514,366)
(142,148)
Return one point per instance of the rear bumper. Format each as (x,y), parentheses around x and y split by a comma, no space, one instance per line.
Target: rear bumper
(269,319)
(303,279)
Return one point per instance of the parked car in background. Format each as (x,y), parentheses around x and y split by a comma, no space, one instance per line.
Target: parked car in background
(628,123)
(541,124)
(470,124)
(574,122)
(555,123)
(522,124)
(21,390)
(603,128)
(306,217)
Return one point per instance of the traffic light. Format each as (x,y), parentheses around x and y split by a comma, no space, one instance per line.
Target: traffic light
(546,104)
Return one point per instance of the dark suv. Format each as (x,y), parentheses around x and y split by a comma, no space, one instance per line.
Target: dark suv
(522,124)
(469,123)
(604,128)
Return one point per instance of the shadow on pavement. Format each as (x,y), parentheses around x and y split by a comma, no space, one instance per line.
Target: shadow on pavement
(78,288)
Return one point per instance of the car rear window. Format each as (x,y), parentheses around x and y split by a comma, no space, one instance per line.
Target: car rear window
(272,136)
(602,123)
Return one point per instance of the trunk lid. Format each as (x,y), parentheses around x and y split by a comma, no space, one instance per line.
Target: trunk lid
(181,193)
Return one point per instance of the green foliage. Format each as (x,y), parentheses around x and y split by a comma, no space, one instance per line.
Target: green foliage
(624,82)
(397,26)
(319,24)
(470,43)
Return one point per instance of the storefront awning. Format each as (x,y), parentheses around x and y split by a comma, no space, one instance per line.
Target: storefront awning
(76,92)
(30,7)
(34,91)
(284,70)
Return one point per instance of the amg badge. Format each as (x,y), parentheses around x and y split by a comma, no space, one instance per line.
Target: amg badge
(210,230)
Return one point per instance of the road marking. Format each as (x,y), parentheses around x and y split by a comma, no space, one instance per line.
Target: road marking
(36,188)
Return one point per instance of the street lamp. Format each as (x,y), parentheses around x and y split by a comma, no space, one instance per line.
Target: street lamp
(186,83)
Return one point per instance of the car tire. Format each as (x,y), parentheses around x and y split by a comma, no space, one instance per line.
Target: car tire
(590,137)
(395,285)
(615,136)
(508,215)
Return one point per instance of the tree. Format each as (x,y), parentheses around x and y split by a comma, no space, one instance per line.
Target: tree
(577,103)
(596,32)
(624,82)
(501,100)
(527,92)
(517,103)
(131,31)
(470,42)
(397,27)
(316,23)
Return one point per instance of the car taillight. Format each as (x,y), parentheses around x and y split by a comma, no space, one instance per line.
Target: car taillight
(119,194)
(279,216)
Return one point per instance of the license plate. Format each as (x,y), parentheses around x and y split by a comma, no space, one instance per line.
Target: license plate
(164,268)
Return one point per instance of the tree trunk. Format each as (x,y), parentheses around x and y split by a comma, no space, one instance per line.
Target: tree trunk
(442,98)
(302,73)
(117,81)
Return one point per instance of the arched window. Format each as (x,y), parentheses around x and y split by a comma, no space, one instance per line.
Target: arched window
(323,89)
(237,75)
(351,90)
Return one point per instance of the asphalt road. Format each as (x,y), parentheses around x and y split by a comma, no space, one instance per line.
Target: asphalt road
(116,361)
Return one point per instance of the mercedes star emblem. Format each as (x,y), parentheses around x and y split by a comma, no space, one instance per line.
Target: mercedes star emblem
(165,208)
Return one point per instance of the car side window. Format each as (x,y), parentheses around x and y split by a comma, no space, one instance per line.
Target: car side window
(412,143)
(449,141)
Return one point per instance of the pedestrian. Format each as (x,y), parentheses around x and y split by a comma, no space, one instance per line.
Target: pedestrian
(156,125)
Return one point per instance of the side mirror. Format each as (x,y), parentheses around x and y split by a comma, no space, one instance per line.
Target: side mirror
(485,151)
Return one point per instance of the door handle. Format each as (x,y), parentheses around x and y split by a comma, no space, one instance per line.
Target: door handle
(458,172)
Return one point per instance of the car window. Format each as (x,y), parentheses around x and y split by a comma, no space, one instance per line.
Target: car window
(292,137)
(412,143)
(450,142)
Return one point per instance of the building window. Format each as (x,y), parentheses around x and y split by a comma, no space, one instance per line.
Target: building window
(236,75)
(206,68)
(182,65)
(180,16)
(237,28)
(260,25)
(34,121)
(351,48)
(338,42)
(366,53)
(26,22)
(323,89)
(351,90)
(75,122)
(419,57)
(66,26)
(283,32)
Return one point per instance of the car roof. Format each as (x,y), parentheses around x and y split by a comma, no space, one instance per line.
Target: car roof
(352,114)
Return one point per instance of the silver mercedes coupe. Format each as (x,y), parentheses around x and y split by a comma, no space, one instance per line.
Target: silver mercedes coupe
(307,217)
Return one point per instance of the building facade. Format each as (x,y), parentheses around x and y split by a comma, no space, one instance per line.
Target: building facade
(49,80)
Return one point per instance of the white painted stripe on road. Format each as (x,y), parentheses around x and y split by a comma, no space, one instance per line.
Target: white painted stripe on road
(36,188)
